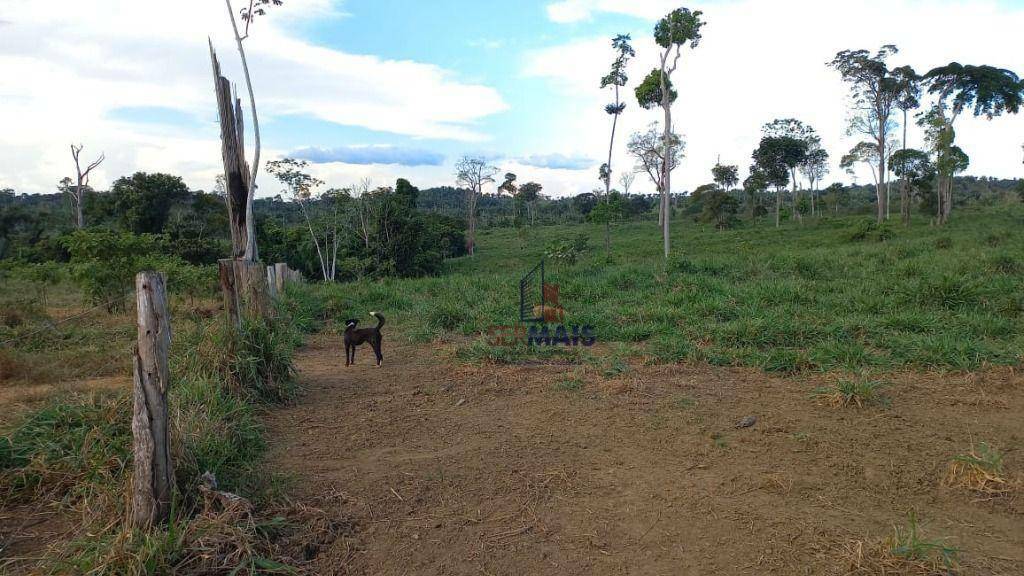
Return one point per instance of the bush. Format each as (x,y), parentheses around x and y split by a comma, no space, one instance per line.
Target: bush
(871,230)
(567,251)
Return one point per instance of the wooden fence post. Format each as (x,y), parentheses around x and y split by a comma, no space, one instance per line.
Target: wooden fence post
(153,470)
(251,286)
(281,275)
(229,289)
(271,281)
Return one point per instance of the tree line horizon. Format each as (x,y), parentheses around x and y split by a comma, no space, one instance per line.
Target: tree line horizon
(881,100)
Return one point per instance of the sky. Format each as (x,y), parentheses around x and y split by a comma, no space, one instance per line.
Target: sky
(382,89)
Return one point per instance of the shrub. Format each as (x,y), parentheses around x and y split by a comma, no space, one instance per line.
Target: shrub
(567,251)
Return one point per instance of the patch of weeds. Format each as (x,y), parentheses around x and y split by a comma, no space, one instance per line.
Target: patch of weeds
(801,436)
(981,471)
(859,393)
(615,366)
(907,544)
(943,243)
(573,384)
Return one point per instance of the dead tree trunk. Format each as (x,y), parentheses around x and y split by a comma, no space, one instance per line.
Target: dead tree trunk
(153,470)
(238,187)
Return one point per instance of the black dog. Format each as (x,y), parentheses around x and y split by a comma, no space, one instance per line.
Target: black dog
(355,337)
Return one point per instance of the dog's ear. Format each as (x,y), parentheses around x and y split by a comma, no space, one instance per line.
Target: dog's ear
(351,323)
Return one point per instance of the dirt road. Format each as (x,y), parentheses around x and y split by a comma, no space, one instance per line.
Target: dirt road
(445,469)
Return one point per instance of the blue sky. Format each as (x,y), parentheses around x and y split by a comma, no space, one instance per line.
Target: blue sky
(375,90)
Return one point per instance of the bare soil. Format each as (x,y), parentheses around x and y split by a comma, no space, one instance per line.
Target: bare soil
(446,469)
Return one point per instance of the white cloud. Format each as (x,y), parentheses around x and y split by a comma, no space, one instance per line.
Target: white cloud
(66,65)
(569,11)
(763,60)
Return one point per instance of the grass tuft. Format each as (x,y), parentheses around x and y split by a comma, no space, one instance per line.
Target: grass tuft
(930,556)
(980,471)
(859,393)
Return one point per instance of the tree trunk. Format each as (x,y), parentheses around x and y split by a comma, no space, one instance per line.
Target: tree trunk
(778,207)
(79,199)
(251,253)
(666,164)
(796,198)
(880,192)
(236,170)
(153,477)
(471,228)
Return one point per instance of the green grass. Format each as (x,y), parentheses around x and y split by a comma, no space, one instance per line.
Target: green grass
(859,393)
(908,544)
(75,452)
(831,294)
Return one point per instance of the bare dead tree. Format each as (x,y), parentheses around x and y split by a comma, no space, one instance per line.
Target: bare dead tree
(256,8)
(238,186)
(473,172)
(78,192)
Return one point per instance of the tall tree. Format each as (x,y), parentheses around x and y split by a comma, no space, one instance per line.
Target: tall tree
(679,28)
(772,159)
(144,201)
(651,154)
(626,181)
(795,130)
(508,186)
(726,176)
(616,79)
(814,168)
(862,152)
(874,92)
(77,193)
(915,170)
(908,90)
(473,172)
(302,187)
(529,193)
(754,185)
(985,90)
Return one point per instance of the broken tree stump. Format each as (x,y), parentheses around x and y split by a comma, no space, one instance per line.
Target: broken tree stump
(153,477)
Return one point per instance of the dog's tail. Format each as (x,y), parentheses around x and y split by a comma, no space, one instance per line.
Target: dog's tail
(380,319)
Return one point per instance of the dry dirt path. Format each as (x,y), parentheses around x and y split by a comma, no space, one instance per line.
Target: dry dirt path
(444,469)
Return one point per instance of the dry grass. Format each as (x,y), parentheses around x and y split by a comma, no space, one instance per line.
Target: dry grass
(905,553)
(981,471)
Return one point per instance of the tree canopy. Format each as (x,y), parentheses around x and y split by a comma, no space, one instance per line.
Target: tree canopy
(648,93)
(986,90)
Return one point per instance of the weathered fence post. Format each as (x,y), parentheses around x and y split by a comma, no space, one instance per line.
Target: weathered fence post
(281,275)
(251,285)
(229,290)
(271,281)
(151,447)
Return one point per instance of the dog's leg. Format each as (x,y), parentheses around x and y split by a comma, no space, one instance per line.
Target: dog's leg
(347,346)
(377,353)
